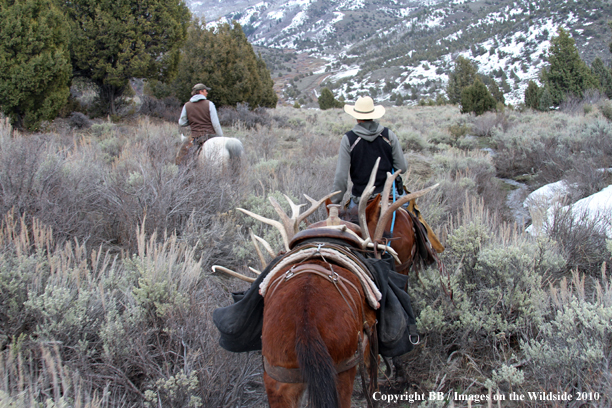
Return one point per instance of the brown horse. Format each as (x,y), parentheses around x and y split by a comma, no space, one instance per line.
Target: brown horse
(314,334)
(319,313)
(319,318)
(391,224)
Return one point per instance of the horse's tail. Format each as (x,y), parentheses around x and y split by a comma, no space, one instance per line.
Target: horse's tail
(316,366)
(234,147)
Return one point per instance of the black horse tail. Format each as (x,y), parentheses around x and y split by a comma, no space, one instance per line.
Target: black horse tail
(316,366)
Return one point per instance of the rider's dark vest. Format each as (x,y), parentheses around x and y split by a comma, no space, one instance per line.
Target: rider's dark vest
(363,158)
(198,115)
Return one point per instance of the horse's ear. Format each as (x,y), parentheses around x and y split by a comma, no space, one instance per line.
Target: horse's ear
(327,202)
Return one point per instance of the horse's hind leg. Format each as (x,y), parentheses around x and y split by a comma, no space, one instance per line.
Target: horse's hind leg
(283,395)
(345,387)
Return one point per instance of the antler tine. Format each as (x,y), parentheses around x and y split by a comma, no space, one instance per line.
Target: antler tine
(314,206)
(266,245)
(384,217)
(288,223)
(262,260)
(295,209)
(363,202)
(217,268)
(276,224)
(384,203)
(255,271)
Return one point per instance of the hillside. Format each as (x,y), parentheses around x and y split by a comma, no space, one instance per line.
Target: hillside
(406,48)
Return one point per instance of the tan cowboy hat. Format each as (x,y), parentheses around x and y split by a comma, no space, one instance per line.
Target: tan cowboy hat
(364,109)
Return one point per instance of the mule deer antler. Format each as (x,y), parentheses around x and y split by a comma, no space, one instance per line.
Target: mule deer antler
(289,226)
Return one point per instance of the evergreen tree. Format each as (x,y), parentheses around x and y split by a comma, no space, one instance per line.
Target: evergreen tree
(532,95)
(327,100)
(34,61)
(567,73)
(476,98)
(224,60)
(496,92)
(113,41)
(460,78)
(604,75)
(546,100)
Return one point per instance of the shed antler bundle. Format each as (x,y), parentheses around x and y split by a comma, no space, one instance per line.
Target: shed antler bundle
(289,225)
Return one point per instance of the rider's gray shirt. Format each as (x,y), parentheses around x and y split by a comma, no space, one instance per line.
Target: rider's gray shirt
(368,131)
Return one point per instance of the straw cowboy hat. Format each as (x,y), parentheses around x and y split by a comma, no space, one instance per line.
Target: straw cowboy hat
(364,109)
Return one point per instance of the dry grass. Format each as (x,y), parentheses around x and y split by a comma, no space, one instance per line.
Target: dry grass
(105,248)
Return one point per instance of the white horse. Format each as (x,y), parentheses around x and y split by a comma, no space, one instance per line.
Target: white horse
(220,152)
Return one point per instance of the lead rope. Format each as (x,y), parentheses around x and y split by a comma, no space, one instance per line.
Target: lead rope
(394,212)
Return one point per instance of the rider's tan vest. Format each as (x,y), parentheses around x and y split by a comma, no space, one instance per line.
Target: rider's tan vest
(198,115)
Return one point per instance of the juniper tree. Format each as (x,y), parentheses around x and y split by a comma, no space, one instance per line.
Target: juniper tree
(224,60)
(115,40)
(460,78)
(34,61)
(567,73)
(532,95)
(327,100)
(477,99)
(604,75)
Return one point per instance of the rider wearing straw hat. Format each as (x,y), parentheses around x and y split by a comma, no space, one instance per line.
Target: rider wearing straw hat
(361,147)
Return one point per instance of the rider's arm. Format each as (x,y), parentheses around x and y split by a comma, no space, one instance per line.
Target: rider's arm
(214,118)
(183,119)
(399,162)
(342,170)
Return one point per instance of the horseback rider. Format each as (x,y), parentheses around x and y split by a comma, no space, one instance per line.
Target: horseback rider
(201,115)
(361,147)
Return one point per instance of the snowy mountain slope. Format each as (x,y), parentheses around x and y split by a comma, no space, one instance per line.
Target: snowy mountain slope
(402,51)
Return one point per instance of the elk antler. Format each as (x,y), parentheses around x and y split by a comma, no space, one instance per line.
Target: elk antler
(289,226)
(390,209)
(266,245)
(363,201)
(217,268)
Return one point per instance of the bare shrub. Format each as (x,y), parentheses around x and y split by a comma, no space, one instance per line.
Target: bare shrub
(79,120)
(468,174)
(168,108)
(132,331)
(574,105)
(571,351)
(552,153)
(582,239)
(606,110)
(497,289)
(241,115)
(483,125)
